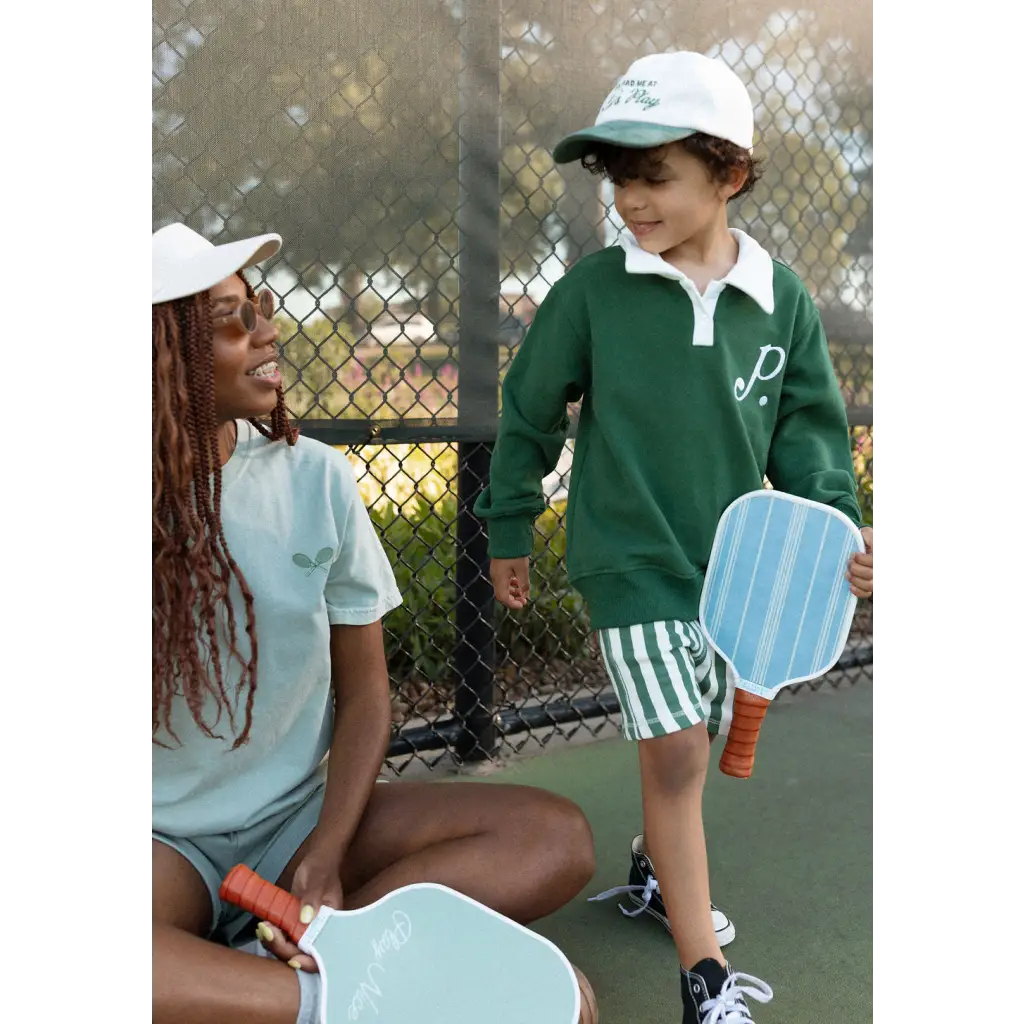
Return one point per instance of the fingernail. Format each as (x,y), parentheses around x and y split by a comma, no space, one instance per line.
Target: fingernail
(264,932)
(307,914)
(295,965)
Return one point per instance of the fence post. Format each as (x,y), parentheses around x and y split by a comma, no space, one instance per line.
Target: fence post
(478,221)
(474,613)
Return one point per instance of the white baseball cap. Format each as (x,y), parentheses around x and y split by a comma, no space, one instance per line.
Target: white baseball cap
(664,97)
(185,263)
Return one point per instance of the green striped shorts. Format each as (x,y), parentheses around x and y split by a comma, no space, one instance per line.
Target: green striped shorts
(667,677)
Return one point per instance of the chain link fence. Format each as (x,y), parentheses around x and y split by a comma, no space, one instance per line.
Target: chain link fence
(404,153)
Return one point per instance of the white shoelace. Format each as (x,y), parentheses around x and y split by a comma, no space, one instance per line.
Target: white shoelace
(648,891)
(729,1007)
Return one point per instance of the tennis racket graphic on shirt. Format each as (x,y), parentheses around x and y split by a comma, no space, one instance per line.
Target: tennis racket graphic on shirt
(323,556)
(776,603)
(422,953)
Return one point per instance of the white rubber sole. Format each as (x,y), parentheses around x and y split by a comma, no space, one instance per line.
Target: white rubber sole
(726,935)
(723,935)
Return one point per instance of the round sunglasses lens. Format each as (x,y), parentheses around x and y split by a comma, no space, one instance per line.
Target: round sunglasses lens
(266,300)
(247,313)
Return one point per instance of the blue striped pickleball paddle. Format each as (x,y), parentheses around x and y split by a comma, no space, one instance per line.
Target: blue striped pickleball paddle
(776,603)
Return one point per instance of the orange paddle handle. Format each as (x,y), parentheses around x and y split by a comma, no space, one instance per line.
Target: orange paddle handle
(245,889)
(748,711)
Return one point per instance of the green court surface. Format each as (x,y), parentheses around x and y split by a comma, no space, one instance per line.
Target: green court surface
(790,855)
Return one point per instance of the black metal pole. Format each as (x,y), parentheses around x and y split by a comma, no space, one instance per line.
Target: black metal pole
(474,613)
(479,183)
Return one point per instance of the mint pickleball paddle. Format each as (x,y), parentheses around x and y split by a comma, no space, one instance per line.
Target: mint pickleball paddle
(423,953)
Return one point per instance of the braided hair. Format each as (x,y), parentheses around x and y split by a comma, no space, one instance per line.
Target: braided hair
(192,566)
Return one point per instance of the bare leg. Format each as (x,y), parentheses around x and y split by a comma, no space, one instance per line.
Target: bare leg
(196,981)
(522,851)
(673,769)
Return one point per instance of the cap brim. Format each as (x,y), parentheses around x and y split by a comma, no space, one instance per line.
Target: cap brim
(211,266)
(629,134)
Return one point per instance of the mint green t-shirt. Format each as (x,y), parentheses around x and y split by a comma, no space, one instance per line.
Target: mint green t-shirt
(297,527)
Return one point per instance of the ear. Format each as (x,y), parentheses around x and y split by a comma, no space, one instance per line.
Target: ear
(736,180)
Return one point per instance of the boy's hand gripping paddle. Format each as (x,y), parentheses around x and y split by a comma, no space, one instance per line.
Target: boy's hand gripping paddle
(423,954)
(776,603)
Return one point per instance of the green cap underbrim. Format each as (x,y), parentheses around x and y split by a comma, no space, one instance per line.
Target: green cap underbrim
(629,134)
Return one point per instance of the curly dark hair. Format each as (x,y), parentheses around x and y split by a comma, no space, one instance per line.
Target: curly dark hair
(192,567)
(620,164)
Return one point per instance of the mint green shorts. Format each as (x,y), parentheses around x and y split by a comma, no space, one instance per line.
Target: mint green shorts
(266,847)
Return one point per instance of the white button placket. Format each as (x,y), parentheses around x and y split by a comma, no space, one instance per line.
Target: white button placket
(703,318)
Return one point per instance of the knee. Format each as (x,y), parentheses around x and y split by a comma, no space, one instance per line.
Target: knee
(675,762)
(566,839)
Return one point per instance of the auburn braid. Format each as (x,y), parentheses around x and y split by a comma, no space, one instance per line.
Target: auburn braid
(193,571)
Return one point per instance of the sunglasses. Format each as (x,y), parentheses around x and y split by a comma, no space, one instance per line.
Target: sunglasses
(246,316)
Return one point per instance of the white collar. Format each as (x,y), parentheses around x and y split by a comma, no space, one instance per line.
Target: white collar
(753,273)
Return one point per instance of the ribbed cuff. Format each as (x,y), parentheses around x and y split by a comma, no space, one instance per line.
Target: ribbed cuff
(510,536)
(851,510)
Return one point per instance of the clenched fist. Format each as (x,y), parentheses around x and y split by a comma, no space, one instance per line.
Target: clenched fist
(511,580)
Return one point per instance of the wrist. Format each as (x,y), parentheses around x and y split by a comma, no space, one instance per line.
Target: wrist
(327,843)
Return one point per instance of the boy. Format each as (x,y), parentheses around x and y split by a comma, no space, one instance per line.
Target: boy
(703,368)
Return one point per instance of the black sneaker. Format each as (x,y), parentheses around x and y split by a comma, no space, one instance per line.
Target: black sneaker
(645,895)
(713,994)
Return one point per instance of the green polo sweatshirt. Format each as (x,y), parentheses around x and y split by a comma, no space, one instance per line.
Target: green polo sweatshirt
(689,401)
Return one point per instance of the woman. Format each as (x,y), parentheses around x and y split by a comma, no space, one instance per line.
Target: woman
(269,586)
